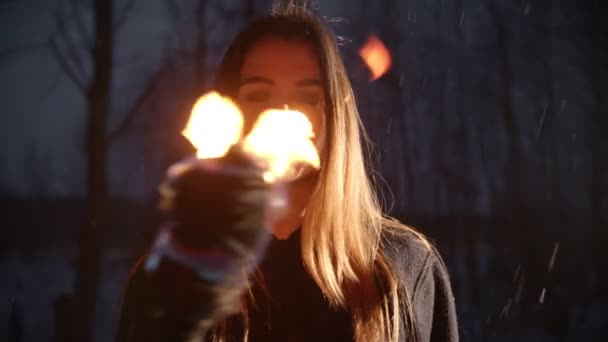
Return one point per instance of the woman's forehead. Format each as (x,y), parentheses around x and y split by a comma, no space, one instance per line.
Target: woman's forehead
(281,59)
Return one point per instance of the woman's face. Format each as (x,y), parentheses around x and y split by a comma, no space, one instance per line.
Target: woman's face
(277,73)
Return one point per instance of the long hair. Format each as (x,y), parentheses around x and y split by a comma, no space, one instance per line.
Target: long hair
(343,224)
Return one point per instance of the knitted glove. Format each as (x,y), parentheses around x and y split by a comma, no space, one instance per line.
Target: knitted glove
(200,263)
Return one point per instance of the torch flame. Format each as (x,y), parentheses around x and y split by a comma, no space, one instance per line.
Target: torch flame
(376,56)
(215,124)
(283,139)
(280,139)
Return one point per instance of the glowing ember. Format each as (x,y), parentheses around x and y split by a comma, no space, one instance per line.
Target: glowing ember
(280,139)
(215,124)
(376,56)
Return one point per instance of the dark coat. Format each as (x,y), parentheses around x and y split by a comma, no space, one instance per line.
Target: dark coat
(297,310)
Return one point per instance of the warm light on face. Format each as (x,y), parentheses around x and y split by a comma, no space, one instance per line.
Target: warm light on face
(376,56)
(280,139)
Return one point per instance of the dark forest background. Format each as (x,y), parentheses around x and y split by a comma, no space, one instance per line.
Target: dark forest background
(490,131)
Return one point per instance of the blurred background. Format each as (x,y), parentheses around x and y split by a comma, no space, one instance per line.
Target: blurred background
(490,129)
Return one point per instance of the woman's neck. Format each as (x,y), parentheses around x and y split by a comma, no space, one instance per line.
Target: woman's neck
(298,194)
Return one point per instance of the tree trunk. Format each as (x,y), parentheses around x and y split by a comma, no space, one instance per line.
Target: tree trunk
(201,49)
(88,262)
(249,10)
(599,142)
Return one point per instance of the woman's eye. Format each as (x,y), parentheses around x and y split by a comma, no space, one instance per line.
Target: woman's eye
(256,96)
(311,99)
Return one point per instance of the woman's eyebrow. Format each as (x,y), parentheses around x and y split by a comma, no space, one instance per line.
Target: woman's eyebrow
(256,79)
(309,82)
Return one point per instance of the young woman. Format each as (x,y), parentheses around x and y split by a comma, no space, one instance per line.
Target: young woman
(336,269)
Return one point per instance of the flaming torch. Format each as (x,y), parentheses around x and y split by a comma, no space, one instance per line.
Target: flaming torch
(282,139)
(279,141)
(215,125)
(220,200)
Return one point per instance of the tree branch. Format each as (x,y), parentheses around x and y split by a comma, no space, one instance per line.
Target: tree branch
(136,106)
(65,66)
(122,14)
(9,52)
(88,42)
(62,32)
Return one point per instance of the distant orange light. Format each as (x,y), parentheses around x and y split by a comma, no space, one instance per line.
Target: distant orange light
(376,56)
(280,139)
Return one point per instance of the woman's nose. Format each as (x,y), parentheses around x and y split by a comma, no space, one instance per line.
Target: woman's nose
(276,102)
(280,103)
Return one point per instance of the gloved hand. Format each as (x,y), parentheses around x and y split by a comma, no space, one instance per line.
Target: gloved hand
(219,210)
(198,269)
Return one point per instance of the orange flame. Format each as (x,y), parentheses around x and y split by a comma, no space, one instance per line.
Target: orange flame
(376,56)
(215,124)
(280,139)
(283,139)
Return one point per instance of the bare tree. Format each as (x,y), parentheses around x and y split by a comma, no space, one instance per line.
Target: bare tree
(74,54)
(249,9)
(201,46)
(598,125)
(98,98)
(77,51)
